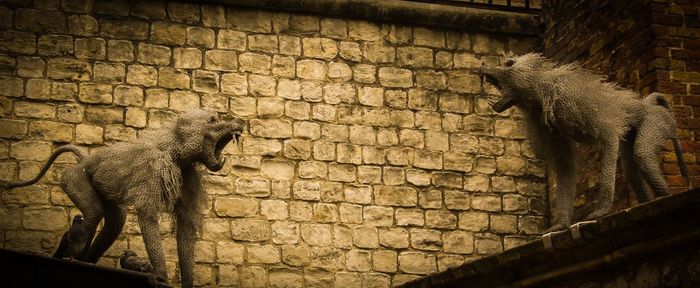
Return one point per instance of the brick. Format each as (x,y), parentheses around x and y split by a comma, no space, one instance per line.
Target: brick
(395,77)
(124,29)
(13,129)
(250,230)
(425,239)
(262,85)
(231,40)
(350,51)
(95,93)
(188,58)
(30,66)
(311,69)
(153,54)
(264,43)
(334,28)
(417,263)
(109,72)
(42,21)
(128,95)
(183,12)
(205,81)
(458,242)
(250,20)
(18,42)
(69,69)
(51,131)
(90,48)
(378,53)
(142,75)
(148,10)
(255,63)
(415,57)
(173,78)
(363,30)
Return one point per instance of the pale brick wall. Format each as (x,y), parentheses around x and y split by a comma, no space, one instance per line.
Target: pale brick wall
(369,159)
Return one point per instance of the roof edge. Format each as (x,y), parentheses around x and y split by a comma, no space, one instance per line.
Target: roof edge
(407,12)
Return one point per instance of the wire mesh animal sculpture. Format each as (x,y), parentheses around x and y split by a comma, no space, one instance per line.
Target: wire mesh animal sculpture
(565,104)
(152,174)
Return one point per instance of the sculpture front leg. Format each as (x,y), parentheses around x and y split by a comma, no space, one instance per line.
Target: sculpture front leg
(148,221)
(185,249)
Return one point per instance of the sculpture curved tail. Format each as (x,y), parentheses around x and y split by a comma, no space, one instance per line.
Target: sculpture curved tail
(679,158)
(63,149)
(658,99)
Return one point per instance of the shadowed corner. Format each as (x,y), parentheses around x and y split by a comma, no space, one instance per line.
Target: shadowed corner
(22,269)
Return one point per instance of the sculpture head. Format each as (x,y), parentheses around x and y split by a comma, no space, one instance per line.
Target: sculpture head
(202,136)
(515,79)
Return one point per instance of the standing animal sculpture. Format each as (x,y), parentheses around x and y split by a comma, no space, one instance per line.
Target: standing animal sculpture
(153,174)
(565,104)
(73,241)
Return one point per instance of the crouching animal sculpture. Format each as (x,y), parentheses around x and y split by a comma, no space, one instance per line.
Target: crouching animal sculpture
(153,174)
(564,104)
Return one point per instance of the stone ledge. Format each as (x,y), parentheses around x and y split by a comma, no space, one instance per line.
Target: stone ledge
(22,269)
(661,227)
(412,13)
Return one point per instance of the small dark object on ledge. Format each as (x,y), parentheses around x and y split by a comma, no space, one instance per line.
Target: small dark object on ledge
(73,241)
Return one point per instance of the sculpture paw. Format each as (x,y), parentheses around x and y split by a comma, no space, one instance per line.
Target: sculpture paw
(556,227)
(595,215)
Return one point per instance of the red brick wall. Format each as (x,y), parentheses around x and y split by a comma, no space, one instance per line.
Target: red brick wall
(646,46)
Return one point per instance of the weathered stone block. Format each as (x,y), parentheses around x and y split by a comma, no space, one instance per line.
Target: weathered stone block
(395,77)
(350,51)
(231,40)
(142,75)
(200,36)
(153,54)
(51,131)
(233,83)
(255,63)
(316,234)
(69,69)
(359,260)
(188,58)
(173,78)
(378,53)
(262,42)
(415,57)
(250,20)
(425,239)
(30,66)
(235,207)
(220,60)
(95,93)
(250,230)
(459,242)
(417,263)
(363,30)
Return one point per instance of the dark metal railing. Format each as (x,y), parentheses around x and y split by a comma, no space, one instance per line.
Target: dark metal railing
(523,6)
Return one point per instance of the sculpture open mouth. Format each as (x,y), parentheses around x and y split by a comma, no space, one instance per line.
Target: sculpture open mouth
(219,147)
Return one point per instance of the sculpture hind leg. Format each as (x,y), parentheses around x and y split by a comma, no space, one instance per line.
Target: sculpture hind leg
(632,173)
(562,158)
(648,145)
(76,185)
(609,148)
(115,218)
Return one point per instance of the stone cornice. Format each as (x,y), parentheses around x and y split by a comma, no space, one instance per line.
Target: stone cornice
(407,12)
